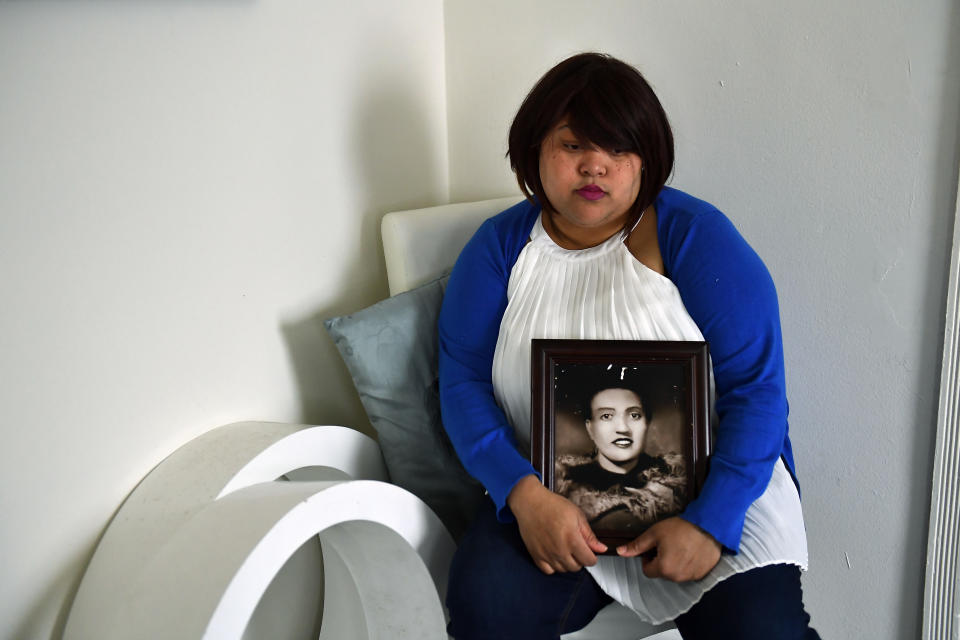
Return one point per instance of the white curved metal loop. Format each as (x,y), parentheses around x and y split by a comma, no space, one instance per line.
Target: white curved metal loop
(196,545)
(340,448)
(396,598)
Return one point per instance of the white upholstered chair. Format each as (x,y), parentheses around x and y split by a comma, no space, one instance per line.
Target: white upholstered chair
(419,245)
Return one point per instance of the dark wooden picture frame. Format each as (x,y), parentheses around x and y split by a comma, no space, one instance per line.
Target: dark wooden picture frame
(627,468)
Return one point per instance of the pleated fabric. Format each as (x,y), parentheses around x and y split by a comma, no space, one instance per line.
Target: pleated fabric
(604,293)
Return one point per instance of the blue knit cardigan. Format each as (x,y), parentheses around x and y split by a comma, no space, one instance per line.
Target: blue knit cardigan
(727,291)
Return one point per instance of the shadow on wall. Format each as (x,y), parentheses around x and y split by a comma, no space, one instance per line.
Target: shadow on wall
(400,165)
(55,603)
(397,162)
(931,355)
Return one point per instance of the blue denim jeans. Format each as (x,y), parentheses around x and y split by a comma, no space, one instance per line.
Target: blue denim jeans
(495,592)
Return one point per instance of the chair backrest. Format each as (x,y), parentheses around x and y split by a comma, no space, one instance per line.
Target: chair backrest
(420,244)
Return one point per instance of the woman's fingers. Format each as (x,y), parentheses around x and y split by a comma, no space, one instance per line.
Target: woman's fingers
(645,545)
(559,539)
(583,556)
(550,526)
(578,545)
(683,551)
(568,554)
(570,563)
(557,565)
(647,541)
(591,538)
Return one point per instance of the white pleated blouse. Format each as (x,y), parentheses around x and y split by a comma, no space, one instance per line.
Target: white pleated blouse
(605,293)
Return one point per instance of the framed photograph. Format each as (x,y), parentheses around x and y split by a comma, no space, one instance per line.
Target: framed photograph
(621,428)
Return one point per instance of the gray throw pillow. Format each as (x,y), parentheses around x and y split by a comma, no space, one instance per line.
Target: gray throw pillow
(391,352)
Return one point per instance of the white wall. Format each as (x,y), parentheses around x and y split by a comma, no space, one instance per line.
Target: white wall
(829,133)
(186,190)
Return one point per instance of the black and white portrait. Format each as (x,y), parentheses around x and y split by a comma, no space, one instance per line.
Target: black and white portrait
(619,449)
(621,428)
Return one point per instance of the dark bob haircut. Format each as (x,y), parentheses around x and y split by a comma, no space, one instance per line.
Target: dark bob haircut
(593,385)
(607,103)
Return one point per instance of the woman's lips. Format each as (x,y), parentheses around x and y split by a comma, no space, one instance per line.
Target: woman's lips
(591,192)
(623,443)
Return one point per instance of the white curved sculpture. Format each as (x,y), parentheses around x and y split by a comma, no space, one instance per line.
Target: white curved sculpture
(201,543)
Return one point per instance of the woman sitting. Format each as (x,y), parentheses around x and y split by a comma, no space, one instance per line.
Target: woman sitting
(602,249)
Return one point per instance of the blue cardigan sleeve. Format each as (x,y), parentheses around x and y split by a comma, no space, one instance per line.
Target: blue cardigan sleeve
(473,306)
(729,293)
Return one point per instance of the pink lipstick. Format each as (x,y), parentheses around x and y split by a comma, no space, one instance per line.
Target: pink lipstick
(591,192)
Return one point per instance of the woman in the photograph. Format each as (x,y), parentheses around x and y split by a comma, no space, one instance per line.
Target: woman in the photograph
(620,486)
(602,249)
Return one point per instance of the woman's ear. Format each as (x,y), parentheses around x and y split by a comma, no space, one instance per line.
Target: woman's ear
(589,427)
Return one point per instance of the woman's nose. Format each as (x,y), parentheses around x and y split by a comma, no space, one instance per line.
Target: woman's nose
(593,163)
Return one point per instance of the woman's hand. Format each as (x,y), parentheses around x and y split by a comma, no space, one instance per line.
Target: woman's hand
(684,551)
(554,529)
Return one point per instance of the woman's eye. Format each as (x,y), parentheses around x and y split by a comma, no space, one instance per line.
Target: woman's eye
(572,146)
(617,152)
(636,415)
(606,416)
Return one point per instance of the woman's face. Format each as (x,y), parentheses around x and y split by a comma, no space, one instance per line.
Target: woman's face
(592,189)
(617,425)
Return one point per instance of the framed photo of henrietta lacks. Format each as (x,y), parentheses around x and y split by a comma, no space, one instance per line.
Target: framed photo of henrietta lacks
(621,428)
